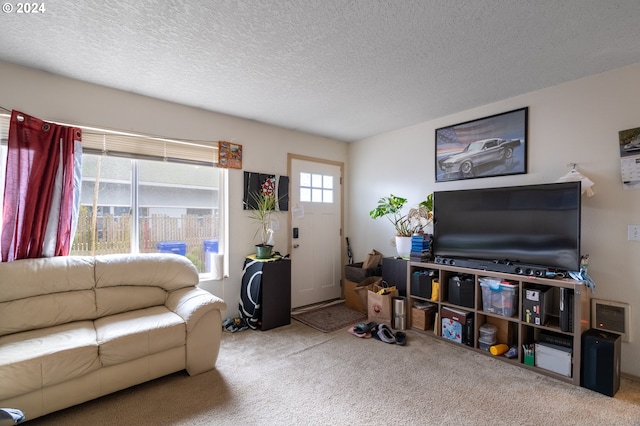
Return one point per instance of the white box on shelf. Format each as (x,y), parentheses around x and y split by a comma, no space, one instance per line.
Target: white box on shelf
(553,358)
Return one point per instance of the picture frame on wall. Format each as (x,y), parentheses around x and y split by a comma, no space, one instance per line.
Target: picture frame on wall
(486,147)
(629,146)
(255,183)
(229,155)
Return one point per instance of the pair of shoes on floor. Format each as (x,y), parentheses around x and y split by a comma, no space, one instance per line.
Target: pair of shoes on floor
(234,324)
(380,332)
(384,333)
(363,330)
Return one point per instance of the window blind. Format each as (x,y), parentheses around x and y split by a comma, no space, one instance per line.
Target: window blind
(99,141)
(4,128)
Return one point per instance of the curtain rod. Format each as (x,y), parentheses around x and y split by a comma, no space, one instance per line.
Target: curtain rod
(101,131)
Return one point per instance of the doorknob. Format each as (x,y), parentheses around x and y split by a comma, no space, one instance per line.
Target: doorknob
(296,245)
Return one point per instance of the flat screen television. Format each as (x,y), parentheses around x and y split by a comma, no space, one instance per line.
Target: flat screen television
(532,224)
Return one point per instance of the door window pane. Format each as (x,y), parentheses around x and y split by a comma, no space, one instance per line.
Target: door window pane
(305,195)
(327,182)
(305,179)
(316,181)
(316,195)
(316,188)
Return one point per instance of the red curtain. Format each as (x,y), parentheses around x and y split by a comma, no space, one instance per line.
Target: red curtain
(41,190)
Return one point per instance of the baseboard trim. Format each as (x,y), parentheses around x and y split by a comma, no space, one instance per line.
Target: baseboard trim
(630,377)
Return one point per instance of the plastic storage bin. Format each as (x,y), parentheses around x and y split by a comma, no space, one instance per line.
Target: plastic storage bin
(499,297)
(488,332)
(485,343)
(177,247)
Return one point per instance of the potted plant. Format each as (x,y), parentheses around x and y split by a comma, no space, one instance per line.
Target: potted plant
(406,225)
(265,206)
(391,208)
(421,217)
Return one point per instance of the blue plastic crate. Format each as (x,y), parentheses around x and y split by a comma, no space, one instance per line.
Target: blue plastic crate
(177,247)
(210,246)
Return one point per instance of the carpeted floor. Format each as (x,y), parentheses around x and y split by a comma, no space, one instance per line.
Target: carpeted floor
(330,318)
(295,375)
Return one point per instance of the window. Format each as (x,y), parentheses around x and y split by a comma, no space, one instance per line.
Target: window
(177,208)
(316,188)
(145,195)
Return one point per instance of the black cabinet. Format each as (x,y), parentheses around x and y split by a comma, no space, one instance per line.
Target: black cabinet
(265,296)
(394,272)
(276,294)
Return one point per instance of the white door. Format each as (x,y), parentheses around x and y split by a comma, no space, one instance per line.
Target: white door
(316,220)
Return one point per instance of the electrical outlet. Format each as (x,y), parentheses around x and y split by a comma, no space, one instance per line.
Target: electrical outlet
(633,232)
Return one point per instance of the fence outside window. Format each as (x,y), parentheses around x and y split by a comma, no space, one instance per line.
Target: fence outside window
(193,234)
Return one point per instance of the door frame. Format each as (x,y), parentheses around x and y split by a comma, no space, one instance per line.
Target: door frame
(340,164)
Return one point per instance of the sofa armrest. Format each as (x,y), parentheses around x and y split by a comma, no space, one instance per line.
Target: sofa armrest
(191,303)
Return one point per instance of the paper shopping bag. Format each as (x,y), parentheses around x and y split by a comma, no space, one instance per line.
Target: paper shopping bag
(380,306)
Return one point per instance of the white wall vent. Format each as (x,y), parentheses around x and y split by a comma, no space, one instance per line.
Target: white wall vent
(611,316)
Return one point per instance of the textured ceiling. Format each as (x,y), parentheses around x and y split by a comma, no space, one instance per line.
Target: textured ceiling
(345,69)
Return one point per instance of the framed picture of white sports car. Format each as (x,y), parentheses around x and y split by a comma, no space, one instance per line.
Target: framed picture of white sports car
(486,147)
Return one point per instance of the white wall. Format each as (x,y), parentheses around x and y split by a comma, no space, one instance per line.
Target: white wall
(577,122)
(265,147)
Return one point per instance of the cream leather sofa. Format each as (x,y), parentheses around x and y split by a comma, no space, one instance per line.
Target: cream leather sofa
(75,328)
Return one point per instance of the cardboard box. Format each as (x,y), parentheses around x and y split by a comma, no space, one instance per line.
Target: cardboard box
(536,304)
(355,293)
(355,273)
(422,319)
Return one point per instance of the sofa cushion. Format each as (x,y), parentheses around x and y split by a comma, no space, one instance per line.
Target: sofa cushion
(131,335)
(165,270)
(51,291)
(114,300)
(32,277)
(33,359)
(46,311)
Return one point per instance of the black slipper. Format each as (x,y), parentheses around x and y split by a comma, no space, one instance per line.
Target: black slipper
(363,328)
(384,334)
(401,338)
(359,333)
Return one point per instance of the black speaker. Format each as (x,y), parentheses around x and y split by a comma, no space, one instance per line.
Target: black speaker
(601,361)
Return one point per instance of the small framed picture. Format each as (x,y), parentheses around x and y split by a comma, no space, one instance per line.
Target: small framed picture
(489,146)
(229,155)
(629,146)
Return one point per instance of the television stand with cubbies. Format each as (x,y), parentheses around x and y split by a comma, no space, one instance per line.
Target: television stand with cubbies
(505,303)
